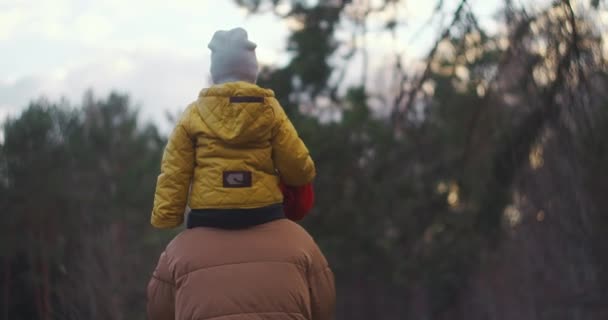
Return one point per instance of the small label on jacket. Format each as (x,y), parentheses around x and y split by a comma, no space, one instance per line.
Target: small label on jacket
(237,179)
(246,99)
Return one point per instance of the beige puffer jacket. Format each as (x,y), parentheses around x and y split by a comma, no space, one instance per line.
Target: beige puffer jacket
(269,271)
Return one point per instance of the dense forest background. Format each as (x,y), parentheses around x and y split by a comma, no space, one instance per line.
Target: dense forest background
(469,187)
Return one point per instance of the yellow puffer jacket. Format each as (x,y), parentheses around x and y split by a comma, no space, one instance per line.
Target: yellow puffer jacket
(228,151)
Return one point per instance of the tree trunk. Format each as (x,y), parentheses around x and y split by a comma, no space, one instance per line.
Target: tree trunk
(46,290)
(7,287)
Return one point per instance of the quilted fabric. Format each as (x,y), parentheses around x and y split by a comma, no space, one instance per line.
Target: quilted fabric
(273,271)
(215,136)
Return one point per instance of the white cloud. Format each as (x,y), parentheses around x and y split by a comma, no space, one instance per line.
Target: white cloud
(158,81)
(9,21)
(102,23)
(154,50)
(45,17)
(93,28)
(12,92)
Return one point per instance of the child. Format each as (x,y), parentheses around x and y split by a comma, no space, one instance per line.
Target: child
(234,151)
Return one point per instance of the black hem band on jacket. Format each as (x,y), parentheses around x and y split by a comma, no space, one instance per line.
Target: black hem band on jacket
(234,218)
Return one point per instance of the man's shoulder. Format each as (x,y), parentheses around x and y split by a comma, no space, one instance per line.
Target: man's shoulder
(281,233)
(277,242)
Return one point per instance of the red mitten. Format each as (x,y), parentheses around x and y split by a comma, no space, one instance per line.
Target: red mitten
(297,201)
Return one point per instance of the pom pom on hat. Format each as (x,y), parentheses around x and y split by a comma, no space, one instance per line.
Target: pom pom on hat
(233,57)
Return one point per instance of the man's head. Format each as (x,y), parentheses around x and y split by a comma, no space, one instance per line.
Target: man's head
(233,57)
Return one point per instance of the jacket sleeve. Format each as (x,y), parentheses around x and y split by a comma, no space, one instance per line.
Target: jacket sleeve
(322,289)
(289,153)
(173,183)
(161,292)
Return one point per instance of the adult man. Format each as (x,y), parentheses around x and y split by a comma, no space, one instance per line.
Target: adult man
(272,270)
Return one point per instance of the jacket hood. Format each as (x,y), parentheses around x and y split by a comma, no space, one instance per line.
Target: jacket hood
(236,122)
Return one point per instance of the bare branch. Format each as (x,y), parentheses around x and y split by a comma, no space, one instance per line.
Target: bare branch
(397,110)
(520,31)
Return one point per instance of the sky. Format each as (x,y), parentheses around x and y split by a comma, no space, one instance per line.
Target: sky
(156,51)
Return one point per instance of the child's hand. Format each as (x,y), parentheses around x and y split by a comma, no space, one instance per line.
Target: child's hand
(297,201)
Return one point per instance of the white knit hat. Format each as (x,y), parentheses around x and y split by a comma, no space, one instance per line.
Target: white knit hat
(233,57)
